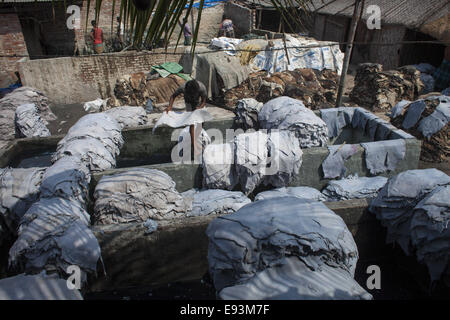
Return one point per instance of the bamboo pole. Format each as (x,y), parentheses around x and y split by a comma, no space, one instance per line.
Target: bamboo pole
(348,50)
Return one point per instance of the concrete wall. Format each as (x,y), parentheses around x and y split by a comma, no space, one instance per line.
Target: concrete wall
(12,42)
(243,18)
(133,258)
(69,80)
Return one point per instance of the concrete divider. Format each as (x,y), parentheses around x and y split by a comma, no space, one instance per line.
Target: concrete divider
(177,250)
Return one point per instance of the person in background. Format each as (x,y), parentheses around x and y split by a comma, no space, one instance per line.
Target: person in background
(442,74)
(97,37)
(226,28)
(187,32)
(195,95)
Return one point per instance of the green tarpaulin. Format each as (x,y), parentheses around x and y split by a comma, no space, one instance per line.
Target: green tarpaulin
(169,68)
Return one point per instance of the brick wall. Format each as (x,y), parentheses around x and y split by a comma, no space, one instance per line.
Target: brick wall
(11,42)
(78,79)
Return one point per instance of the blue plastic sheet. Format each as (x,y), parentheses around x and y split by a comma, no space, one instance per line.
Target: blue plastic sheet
(206,4)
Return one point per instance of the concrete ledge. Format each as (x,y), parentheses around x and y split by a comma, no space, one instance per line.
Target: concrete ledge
(177,250)
(188,176)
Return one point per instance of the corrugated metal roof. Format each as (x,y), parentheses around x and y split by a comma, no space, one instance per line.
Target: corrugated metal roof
(410,13)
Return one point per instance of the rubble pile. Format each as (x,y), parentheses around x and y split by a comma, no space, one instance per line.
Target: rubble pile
(135,89)
(316,89)
(354,187)
(414,208)
(28,122)
(379,90)
(135,196)
(251,256)
(427,119)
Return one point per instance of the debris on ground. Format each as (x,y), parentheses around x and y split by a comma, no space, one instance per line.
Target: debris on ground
(286,234)
(135,196)
(290,114)
(427,120)
(298,192)
(379,90)
(354,187)
(28,122)
(414,208)
(315,88)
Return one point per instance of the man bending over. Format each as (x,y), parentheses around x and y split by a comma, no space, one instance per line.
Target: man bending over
(195,95)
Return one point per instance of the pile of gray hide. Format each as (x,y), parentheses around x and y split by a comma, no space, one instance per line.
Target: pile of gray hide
(415,207)
(19,189)
(128,117)
(140,194)
(95,139)
(28,122)
(354,187)
(283,248)
(285,113)
(298,192)
(54,232)
(252,159)
(9,104)
(247,113)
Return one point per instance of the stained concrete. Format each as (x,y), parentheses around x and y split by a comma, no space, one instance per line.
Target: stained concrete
(142,148)
(177,250)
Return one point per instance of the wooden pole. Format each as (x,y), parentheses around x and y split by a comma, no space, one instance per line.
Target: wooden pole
(348,50)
